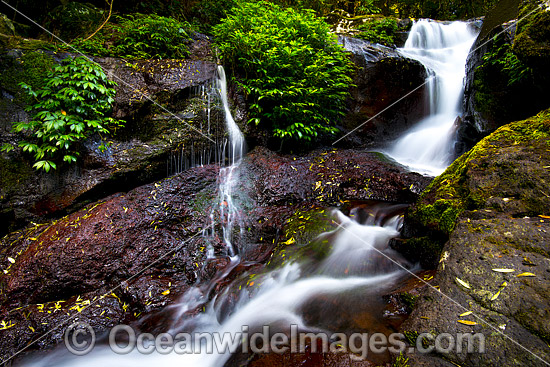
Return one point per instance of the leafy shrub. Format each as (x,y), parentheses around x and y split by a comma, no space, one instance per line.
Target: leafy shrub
(379,31)
(73,19)
(293,71)
(210,12)
(505,60)
(70,107)
(139,36)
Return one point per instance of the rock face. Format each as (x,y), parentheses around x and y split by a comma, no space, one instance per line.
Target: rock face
(506,80)
(133,253)
(383,76)
(494,205)
(165,106)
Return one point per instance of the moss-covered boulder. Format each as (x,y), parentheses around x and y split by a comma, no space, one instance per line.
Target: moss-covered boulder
(507,74)
(493,205)
(505,172)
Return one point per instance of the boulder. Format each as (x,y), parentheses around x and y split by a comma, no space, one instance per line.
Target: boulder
(132,253)
(493,205)
(382,77)
(507,78)
(166,105)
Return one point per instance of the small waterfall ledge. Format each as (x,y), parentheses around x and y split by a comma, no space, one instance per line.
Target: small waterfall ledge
(443,49)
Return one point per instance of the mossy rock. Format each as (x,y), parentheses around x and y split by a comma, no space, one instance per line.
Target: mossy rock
(503,171)
(531,43)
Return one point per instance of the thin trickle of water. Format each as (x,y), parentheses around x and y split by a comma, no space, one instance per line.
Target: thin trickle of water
(442,48)
(228,210)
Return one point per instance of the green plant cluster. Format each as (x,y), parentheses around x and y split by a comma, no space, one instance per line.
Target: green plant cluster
(72,19)
(381,31)
(502,58)
(139,36)
(72,105)
(291,68)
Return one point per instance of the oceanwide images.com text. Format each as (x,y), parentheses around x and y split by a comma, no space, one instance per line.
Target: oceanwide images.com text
(80,339)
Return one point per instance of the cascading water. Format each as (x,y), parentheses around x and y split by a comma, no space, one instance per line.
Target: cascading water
(344,272)
(353,267)
(442,48)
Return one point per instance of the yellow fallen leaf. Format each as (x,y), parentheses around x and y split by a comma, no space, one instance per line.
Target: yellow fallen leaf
(463,283)
(544,216)
(290,241)
(467,322)
(526,275)
(166,292)
(465,313)
(504,270)
(500,290)
(495,296)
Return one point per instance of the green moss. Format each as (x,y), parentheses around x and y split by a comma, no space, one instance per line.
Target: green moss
(13,174)
(449,194)
(203,200)
(408,299)
(30,69)
(411,336)
(305,225)
(20,43)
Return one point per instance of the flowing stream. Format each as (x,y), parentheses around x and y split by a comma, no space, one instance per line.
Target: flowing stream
(332,285)
(443,49)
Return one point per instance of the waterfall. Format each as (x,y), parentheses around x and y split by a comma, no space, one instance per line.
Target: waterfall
(228,210)
(347,280)
(442,48)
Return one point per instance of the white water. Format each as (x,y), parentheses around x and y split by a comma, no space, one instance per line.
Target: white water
(278,300)
(442,48)
(357,268)
(228,210)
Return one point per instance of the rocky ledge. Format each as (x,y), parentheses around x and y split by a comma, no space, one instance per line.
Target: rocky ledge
(130,254)
(493,203)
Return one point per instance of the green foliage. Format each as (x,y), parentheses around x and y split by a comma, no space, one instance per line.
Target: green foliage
(435,9)
(139,36)
(401,361)
(209,13)
(293,71)
(73,19)
(503,59)
(324,7)
(379,31)
(70,107)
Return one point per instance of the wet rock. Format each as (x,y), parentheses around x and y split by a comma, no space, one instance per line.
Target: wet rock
(144,248)
(164,104)
(506,80)
(383,77)
(493,203)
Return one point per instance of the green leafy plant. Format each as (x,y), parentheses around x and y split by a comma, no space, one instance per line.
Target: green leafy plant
(294,73)
(379,31)
(72,105)
(504,59)
(139,36)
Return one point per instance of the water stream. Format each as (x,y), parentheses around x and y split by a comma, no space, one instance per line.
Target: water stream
(332,285)
(442,48)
